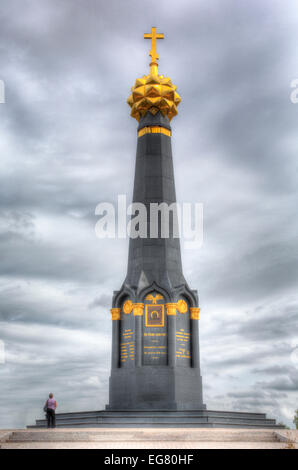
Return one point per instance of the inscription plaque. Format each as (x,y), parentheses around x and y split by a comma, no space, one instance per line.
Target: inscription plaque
(183,336)
(127,337)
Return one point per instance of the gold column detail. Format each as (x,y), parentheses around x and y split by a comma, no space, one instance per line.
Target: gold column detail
(138,310)
(171,309)
(154,130)
(115,313)
(194,313)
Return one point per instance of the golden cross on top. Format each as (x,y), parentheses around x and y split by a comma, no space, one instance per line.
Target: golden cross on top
(153,36)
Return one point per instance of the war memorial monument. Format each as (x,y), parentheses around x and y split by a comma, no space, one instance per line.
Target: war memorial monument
(155,376)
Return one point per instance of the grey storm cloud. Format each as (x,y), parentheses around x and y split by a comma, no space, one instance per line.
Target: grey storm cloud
(289,382)
(68,143)
(103,300)
(276,370)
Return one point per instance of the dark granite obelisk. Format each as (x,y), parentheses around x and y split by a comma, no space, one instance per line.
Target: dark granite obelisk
(155,344)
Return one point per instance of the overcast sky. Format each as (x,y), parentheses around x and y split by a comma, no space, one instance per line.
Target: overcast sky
(67,142)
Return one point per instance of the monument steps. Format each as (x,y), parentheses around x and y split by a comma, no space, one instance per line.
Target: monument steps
(161,419)
(137,435)
(162,413)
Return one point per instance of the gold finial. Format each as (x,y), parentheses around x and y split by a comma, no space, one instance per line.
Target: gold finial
(153,93)
(153,36)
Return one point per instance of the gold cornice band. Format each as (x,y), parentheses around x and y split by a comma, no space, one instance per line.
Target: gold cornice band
(154,130)
(115,313)
(138,310)
(171,309)
(194,313)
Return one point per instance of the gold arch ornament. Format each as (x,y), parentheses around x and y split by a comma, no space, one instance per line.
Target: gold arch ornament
(182,306)
(127,307)
(154,298)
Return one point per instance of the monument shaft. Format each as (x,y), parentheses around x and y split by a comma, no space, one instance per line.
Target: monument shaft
(155,343)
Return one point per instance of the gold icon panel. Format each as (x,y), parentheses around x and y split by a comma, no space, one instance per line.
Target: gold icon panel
(155,316)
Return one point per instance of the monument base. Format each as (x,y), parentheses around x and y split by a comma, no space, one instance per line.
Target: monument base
(152,388)
(161,419)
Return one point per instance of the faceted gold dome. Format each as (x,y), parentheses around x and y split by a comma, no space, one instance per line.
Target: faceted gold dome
(153,93)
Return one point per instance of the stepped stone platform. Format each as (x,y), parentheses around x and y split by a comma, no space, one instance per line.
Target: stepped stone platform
(161,419)
(154,438)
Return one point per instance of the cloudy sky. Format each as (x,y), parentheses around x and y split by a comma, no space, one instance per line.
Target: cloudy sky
(67,142)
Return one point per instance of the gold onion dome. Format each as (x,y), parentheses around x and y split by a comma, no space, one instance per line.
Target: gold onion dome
(153,92)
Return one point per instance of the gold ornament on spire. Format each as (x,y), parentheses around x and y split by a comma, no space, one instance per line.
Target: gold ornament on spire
(153,92)
(154,56)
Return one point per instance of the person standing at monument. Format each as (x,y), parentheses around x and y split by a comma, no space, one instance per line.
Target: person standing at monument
(50,407)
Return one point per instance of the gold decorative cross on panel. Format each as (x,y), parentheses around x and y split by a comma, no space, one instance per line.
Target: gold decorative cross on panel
(153,36)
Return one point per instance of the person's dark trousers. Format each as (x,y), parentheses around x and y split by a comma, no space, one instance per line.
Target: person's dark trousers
(51,418)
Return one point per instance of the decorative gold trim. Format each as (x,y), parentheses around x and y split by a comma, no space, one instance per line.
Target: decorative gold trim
(154,298)
(182,306)
(127,307)
(194,313)
(154,130)
(115,313)
(171,309)
(163,316)
(138,309)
